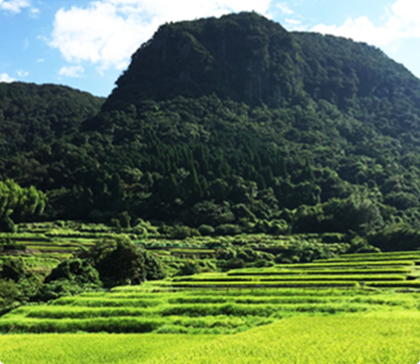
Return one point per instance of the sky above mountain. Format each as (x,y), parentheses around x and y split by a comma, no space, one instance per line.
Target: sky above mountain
(87,44)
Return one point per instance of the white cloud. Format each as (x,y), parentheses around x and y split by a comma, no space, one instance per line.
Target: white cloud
(401,22)
(293,21)
(16,6)
(71,71)
(4,77)
(295,25)
(107,32)
(22,73)
(285,9)
(35,12)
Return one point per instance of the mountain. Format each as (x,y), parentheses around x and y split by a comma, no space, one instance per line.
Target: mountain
(233,124)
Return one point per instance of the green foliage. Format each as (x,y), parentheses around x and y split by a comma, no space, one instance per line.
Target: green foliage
(7,244)
(74,270)
(13,268)
(264,131)
(19,204)
(206,229)
(179,232)
(396,237)
(9,295)
(189,268)
(228,229)
(120,262)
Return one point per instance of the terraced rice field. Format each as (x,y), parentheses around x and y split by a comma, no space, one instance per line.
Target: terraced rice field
(43,254)
(196,311)
(347,310)
(396,270)
(232,302)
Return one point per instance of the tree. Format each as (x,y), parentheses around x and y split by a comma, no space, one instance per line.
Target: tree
(120,262)
(19,204)
(13,269)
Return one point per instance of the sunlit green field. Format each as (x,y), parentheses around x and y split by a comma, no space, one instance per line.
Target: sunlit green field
(346,311)
(304,340)
(94,348)
(314,340)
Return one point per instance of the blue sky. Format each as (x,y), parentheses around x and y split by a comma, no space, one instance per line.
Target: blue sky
(87,44)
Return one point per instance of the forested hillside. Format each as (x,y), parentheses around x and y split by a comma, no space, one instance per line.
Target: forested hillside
(228,125)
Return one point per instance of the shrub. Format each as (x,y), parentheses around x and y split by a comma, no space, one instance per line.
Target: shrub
(13,268)
(189,268)
(228,229)
(206,230)
(75,270)
(120,262)
(235,263)
(179,232)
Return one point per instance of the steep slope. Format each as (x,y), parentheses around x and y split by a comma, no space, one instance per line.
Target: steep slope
(251,119)
(235,124)
(246,58)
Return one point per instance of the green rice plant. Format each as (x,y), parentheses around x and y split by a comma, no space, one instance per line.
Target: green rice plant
(216,298)
(405,284)
(43,248)
(295,277)
(213,278)
(302,267)
(382,254)
(191,251)
(329,271)
(94,348)
(345,277)
(288,283)
(230,309)
(350,264)
(370,259)
(66,325)
(326,340)
(71,312)
(107,302)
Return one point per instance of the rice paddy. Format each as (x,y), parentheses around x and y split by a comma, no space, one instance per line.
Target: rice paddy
(358,308)
(231,302)
(309,340)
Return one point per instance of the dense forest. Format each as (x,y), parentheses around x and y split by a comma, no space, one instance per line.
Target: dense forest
(225,125)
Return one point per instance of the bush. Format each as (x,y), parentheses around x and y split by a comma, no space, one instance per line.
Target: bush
(235,263)
(74,270)
(396,237)
(120,262)
(206,230)
(189,268)
(228,229)
(14,269)
(179,232)
(260,263)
